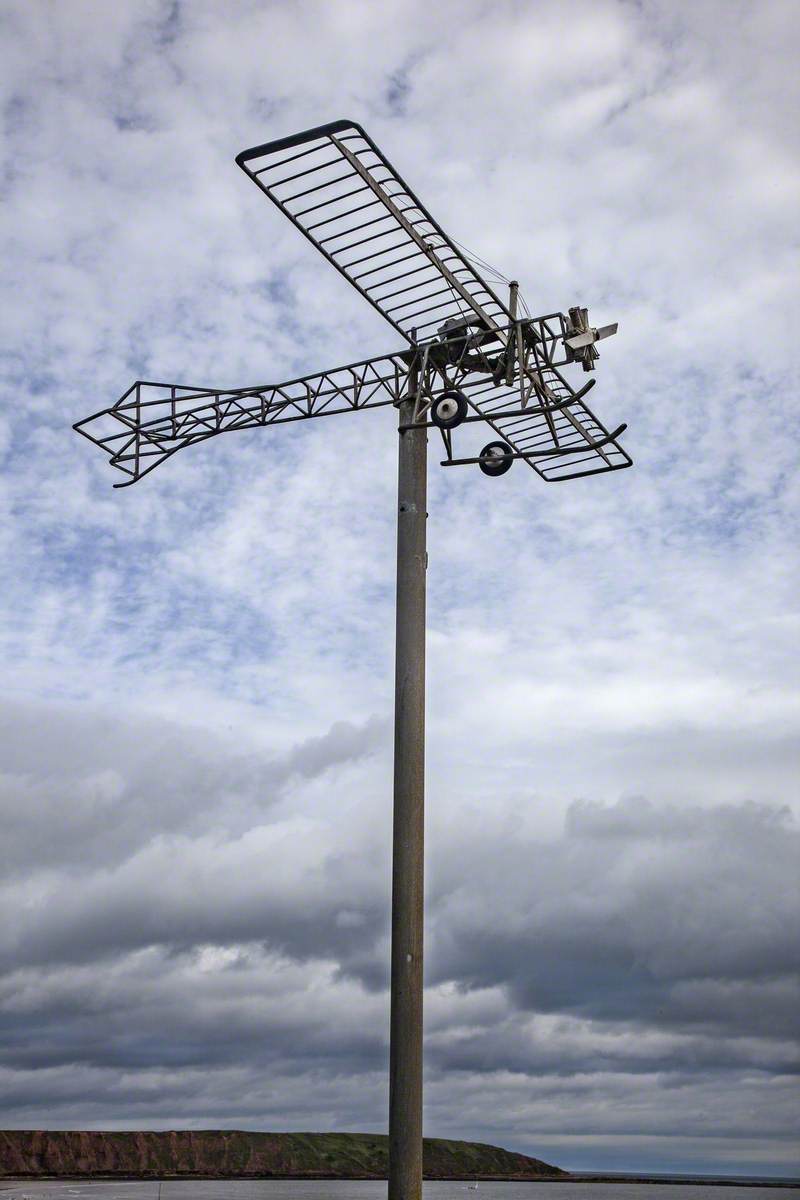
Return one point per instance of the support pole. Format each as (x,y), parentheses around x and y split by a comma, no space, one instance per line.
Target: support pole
(405,1055)
(513,334)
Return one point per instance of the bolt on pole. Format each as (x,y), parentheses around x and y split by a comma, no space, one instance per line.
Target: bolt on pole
(405,1066)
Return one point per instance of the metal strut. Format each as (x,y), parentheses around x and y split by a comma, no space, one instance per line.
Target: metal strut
(152,421)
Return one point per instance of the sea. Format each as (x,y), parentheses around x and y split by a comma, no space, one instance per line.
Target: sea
(274,1189)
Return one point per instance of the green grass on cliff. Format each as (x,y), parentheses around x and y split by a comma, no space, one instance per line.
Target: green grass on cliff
(232,1153)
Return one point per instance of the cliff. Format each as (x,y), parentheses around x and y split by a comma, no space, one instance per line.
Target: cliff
(210,1153)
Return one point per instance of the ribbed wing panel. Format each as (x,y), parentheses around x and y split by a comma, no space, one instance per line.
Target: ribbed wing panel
(567,440)
(337,187)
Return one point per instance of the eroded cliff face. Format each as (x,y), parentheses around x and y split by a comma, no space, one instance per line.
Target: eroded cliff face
(231,1153)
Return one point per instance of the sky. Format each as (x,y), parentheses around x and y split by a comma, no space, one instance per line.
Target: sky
(197,683)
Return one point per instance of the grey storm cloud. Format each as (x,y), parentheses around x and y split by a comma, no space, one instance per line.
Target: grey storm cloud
(644,943)
(195,715)
(111,787)
(656,924)
(159,844)
(639,910)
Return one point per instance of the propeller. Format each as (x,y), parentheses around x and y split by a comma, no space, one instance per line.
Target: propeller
(580,338)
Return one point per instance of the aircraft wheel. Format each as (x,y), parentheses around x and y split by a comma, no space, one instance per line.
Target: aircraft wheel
(496,458)
(449,409)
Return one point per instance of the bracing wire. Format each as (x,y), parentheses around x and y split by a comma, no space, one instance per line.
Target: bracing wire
(474,258)
(491,271)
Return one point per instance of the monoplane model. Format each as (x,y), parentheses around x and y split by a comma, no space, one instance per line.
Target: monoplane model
(469,357)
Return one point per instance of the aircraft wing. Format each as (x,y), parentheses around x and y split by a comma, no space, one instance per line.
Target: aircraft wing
(337,187)
(558,430)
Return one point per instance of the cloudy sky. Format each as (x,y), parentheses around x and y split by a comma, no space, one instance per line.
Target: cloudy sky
(197,692)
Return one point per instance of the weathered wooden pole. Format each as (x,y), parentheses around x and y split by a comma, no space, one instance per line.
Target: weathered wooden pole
(405,1053)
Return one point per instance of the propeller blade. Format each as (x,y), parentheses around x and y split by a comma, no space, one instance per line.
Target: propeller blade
(580,339)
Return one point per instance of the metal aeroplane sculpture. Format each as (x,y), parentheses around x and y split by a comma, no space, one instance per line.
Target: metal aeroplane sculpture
(470,356)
